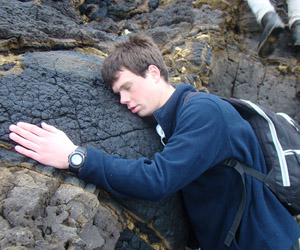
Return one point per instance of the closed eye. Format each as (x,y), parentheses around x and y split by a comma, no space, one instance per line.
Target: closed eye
(127,87)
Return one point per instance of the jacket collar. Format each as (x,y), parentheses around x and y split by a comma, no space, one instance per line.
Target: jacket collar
(166,115)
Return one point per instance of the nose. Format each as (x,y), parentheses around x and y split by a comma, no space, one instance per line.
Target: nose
(124,98)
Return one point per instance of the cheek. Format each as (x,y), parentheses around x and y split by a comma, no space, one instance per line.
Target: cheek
(144,95)
(140,95)
(147,99)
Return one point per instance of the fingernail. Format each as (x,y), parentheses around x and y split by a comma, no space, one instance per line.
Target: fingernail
(11,127)
(10,136)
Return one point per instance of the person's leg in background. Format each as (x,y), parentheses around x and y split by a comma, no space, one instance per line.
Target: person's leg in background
(294,21)
(271,23)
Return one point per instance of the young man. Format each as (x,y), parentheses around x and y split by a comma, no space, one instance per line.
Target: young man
(198,135)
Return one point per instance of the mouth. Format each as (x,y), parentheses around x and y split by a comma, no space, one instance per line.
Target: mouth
(133,109)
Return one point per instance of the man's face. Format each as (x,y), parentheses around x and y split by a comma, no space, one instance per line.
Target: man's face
(141,95)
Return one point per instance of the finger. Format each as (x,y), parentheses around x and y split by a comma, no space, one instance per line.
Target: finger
(49,128)
(24,133)
(33,129)
(23,141)
(26,152)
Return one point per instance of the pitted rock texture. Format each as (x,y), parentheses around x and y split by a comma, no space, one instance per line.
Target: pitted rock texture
(41,213)
(35,26)
(65,89)
(50,57)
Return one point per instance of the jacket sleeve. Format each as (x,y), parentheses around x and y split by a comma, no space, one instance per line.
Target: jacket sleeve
(199,141)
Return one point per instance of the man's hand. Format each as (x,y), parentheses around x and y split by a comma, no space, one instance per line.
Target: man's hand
(47,145)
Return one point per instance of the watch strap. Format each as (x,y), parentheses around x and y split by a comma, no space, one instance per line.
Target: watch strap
(82,150)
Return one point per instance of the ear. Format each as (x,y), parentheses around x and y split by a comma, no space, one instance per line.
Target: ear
(154,72)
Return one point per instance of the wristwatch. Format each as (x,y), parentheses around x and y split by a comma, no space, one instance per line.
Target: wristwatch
(76,160)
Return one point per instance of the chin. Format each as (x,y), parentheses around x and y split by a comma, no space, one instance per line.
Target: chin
(141,114)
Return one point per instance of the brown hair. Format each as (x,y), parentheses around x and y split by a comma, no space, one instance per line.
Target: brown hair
(135,54)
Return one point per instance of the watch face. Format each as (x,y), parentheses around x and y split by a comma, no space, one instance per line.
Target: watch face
(76,159)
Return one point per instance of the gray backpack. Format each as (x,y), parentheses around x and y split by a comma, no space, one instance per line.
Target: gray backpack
(279,137)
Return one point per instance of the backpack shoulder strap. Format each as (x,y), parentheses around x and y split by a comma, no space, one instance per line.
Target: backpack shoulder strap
(242,169)
(238,217)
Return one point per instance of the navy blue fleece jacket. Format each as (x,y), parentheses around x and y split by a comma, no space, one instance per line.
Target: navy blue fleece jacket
(200,134)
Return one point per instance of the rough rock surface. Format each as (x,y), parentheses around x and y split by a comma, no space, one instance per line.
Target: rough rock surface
(50,55)
(65,89)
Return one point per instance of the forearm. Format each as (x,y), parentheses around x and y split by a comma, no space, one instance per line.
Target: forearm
(124,178)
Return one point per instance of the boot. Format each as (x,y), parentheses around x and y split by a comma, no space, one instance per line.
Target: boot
(296,34)
(272,27)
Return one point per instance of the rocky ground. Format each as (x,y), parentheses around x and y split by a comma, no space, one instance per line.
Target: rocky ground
(50,55)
